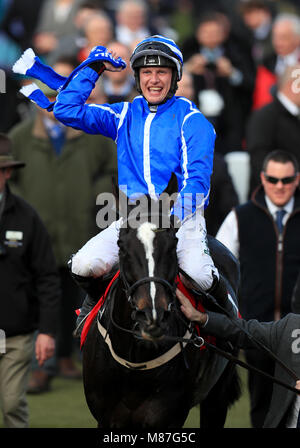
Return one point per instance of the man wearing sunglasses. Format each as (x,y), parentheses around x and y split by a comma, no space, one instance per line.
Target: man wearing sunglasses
(264,235)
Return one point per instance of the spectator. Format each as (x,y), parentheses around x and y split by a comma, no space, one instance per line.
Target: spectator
(269,255)
(275,125)
(286,45)
(66,170)
(223,196)
(17,27)
(183,19)
(98,30)
(56,20)
(186,86)
(119,86)
(29,293)
(131,22)
(284,411)
(21,20)
(257,16)
(72,43)
(223,79)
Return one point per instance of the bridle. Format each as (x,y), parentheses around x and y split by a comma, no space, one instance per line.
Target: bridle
(176,348)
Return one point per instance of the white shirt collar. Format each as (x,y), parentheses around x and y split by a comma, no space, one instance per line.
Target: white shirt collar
(128,36)
(288,104)
(287,207)
(286,61)
(291,58)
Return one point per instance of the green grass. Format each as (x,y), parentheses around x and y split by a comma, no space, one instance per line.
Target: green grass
(65,407)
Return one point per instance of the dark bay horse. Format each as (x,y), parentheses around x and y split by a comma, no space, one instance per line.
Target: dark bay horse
(135,374)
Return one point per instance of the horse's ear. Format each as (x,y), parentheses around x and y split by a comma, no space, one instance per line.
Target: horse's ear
(172,186)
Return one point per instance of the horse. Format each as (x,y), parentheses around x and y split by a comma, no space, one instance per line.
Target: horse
(139,368)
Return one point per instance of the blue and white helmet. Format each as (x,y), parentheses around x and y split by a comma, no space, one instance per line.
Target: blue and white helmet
(158,51)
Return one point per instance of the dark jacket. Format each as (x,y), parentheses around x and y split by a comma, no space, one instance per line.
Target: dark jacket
(271,127)
(269,266)
(296,296)
(29,285)
(223,196)
(63,189)
(281,339)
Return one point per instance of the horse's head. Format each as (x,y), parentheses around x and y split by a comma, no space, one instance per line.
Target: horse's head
(148,261)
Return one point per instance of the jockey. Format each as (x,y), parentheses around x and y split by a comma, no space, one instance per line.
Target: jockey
(156,134)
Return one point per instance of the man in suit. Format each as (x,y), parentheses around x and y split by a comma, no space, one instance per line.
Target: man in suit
(281,337)
(286,52)
(257,17)
(264,235)
(275,125)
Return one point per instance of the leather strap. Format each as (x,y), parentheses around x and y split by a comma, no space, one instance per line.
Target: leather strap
(147,365)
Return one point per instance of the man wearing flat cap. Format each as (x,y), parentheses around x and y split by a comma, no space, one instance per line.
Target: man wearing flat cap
(29,293)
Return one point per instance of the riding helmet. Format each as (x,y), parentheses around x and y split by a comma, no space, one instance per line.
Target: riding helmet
(158,51)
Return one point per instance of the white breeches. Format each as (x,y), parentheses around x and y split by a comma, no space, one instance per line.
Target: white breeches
(100,253)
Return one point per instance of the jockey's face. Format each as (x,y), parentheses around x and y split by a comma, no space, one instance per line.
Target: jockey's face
(155,83)
(279,193)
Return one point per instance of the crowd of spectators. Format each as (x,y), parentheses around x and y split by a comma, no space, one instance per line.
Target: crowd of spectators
(239,59)
(235,50)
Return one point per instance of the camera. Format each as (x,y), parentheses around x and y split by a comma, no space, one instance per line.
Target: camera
(211,63)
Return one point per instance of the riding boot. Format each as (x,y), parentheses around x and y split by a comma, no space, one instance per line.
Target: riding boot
(87,306)
(92,286)
(219,291)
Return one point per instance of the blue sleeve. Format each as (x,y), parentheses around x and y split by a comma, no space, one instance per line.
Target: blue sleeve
(71,110)
(198,140)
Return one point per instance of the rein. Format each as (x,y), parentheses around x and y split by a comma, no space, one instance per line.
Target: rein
(249,367)
(262,346)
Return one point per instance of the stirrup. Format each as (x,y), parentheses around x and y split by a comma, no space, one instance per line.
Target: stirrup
(77,332)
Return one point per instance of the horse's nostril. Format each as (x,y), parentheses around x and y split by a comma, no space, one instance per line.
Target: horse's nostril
(152,331)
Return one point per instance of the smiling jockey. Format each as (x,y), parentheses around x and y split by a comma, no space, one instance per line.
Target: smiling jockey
(157,134)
